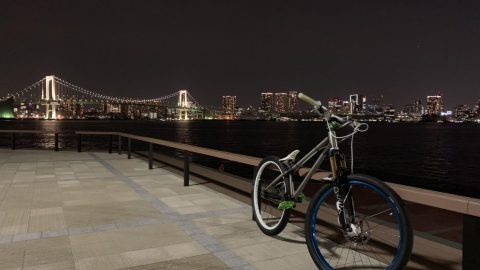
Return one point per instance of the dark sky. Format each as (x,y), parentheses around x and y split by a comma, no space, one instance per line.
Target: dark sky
(401,49)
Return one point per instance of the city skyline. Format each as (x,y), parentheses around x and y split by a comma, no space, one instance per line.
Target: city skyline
(397,50)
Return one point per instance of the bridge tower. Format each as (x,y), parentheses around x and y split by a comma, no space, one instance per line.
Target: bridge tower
(49,97)
(183,105)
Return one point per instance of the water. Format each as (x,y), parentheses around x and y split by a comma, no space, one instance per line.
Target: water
(436,156)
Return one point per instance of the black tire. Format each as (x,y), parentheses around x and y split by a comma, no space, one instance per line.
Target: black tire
(387,222)
(270,167)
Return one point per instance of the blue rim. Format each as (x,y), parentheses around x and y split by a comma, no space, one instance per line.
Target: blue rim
(311,233)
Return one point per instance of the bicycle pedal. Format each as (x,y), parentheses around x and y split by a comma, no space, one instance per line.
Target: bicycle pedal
(284,205)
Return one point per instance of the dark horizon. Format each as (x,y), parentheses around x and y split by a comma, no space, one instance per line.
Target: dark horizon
(403,51)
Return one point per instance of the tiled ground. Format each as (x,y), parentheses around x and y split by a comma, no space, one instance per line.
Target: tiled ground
(69,210)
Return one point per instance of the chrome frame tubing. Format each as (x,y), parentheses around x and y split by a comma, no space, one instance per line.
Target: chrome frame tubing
(323,144)
(326,144)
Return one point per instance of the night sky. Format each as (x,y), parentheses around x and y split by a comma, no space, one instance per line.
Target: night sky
(402,50)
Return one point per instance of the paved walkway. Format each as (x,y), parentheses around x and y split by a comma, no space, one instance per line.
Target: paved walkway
(69,210)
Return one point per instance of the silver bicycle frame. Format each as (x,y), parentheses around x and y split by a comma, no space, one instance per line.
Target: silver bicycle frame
(326,144)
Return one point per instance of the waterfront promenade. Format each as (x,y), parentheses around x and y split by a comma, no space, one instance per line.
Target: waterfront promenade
(69,210)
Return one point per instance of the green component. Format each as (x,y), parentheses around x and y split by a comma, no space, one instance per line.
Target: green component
(301,197)
(284,205)
(333,125)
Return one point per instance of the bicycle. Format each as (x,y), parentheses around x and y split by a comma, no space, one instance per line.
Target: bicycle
(353,221)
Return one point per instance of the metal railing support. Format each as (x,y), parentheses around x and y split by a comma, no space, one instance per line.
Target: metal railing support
(150,156)
(129,148)
(119,144)
(110,143)
(186,169)
(79,142)
(13,141)
(56,142)
(471,238)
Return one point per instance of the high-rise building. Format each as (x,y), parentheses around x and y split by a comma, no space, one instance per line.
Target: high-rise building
(281,102)
(463,112)
(292,101)
(434,105)
(229,104)
(335,105)
(357,103)
(418,108)
(266,101)
(409,109)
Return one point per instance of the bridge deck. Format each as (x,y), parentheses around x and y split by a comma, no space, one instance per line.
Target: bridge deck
(69,210)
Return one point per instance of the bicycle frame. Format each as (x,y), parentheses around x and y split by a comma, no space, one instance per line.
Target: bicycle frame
(325,146)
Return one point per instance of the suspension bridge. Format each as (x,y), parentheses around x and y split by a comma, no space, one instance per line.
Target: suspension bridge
(55,98)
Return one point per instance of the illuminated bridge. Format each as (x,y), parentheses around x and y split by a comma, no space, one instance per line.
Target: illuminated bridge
(55,98)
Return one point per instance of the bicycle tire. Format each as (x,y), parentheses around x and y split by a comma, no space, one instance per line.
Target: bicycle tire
(383,227)
(258,201)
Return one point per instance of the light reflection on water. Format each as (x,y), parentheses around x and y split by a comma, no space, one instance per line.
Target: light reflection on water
(442,157)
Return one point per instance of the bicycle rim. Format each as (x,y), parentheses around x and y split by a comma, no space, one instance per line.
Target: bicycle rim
(266,202)
(377,236)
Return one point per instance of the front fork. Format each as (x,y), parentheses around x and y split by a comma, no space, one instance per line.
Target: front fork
(341,188)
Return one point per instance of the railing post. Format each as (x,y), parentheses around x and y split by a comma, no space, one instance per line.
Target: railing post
(186,169)
(13,140)
(56,142)
(110,139)
(150,156)
(129,148)
(471,238)
(119,144)
(79,142)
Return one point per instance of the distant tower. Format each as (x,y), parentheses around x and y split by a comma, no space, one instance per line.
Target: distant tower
(229,103)
(434,104)
(292,101)
(267,101)
(281,102)
(49,96)
(183,104)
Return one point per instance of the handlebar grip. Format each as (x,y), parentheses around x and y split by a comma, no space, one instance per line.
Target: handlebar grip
(316,103)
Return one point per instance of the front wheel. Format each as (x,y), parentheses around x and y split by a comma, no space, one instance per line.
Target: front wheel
(377,234)
(267,195)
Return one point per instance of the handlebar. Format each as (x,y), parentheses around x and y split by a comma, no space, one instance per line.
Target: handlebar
(315,103)
(320,109)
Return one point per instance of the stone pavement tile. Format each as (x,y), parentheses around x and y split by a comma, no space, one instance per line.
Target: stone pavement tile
(230,259)
(11,255)
(87,238)
(294,261)
(245,239)
(227,230)
(200,262)
(95,249)
(145,256)
(191,210)
(166,253)
(148,236)
(47,255)
(108,262)
(268,250)
(65,265)
(48,222)
(161,192)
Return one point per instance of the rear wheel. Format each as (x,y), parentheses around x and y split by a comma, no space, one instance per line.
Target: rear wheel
(270,219)
(378,234)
